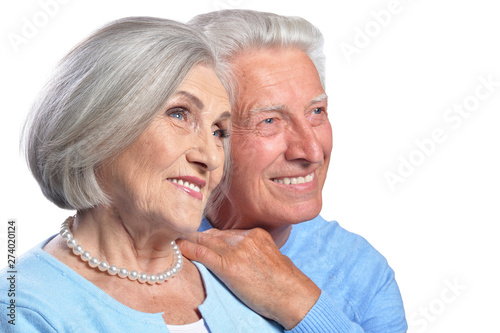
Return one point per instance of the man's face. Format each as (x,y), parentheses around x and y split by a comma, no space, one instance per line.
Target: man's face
(281,139)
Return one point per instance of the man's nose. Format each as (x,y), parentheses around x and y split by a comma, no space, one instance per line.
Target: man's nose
(303,143)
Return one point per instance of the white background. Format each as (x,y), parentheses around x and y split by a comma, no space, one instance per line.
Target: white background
(437,228)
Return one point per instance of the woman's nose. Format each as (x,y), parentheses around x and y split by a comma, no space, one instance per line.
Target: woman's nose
(206,152)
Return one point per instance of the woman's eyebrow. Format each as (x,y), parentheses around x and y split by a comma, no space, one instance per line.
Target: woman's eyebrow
(225,115)
(193,98)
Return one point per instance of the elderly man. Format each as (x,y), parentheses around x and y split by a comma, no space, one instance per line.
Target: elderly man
(281,141)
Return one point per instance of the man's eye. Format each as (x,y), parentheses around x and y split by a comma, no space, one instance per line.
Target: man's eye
(317,116)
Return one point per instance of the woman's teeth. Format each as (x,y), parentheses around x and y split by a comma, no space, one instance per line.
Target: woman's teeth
(185,184)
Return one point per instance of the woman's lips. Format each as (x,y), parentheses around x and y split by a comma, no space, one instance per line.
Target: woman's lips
(190,185)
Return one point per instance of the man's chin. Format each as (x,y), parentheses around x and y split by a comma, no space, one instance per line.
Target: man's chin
(303,215)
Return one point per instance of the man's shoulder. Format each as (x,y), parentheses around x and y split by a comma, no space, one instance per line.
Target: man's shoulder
(204,225)
(342,263)
(330,233)
(356,277)
(334,244)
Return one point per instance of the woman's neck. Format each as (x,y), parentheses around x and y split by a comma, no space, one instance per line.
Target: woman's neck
(108,236)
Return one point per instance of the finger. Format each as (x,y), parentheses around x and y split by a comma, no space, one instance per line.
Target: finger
(192,237)
(200,253)
(209,238)
(220,241)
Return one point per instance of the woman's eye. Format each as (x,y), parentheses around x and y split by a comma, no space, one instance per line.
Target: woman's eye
(268,121)
(178,114)
(221,133)
(317,111)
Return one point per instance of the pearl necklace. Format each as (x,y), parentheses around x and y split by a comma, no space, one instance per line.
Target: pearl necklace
(123,272)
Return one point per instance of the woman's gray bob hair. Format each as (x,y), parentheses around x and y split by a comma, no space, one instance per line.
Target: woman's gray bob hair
(101,98)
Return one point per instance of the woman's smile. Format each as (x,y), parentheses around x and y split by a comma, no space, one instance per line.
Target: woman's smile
(190,185)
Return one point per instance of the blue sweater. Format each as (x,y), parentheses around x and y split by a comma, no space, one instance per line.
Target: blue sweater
(51,297)
(359,292)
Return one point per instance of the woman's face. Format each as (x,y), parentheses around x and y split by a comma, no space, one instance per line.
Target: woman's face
(162,181)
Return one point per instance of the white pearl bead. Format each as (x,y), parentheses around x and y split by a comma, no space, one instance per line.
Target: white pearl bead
(103,266)
(86,256)
(143,277)
(152,279)
(178,267)
(174,271)
(64,231)
(71,242)
(123,272)
(67,235)
(113,270)
(93,262)
(161,278)
(133,275)
(168,274)
(78,250)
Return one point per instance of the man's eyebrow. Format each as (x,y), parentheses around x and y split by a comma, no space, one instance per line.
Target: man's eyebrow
(193,98)
(281,107)
(267,108)
(257,110)
(318,99)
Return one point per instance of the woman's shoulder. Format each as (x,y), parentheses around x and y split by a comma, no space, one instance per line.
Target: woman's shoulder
(28,266)
(46,293)
(32,284)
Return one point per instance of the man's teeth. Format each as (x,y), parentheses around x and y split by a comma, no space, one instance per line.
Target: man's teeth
(295,180)
(185,184)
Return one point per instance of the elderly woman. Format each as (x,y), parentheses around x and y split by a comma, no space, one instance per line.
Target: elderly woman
(129,132)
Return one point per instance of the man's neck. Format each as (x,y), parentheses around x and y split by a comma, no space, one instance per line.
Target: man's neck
(232,221)
(280,235)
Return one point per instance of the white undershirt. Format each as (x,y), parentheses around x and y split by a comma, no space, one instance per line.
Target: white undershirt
(196,327)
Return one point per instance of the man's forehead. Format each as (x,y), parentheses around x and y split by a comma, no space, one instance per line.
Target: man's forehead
(267,62)
(279,79)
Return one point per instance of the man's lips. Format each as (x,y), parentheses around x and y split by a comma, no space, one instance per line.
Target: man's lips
(294,180)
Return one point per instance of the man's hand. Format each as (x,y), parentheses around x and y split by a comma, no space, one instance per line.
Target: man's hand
(253,268)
